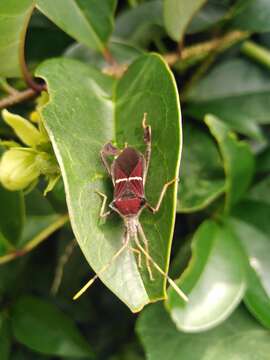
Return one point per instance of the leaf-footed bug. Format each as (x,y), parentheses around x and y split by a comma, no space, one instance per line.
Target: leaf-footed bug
(129,172)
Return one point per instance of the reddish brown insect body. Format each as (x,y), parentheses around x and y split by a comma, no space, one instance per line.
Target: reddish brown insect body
(128,172)
(128,169)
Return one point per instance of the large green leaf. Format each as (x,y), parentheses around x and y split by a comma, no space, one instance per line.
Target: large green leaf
(11,214)
(5,336)
(251,224)
(214,280)
(82,103)
(226,93)
(42,327)
(178,14)
(254,16)
(201,173)
(238,161)
(14,16)
(239,338)
(90,22)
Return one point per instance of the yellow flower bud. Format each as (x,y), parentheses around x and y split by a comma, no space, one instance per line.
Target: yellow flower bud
(18,168)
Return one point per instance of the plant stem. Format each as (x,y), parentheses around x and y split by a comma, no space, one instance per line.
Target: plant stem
(197,53)
(17,97)
(25,71)
(4,85)
(43,235)
(61,265)
(133,3)
(256,52)
(108,57)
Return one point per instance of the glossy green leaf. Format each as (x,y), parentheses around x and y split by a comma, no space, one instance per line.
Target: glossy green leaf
(254,16)
(90,22)
(140,25)
(251,224)
(238,161)
(214,280)
(14,16)
(12,214)
(42,327)
(121,52)
(201,173)
(178,14)
(226,93)
(83,104)
(239,338)
(5,336)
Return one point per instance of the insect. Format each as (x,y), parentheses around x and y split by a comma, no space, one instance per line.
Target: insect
(129,171)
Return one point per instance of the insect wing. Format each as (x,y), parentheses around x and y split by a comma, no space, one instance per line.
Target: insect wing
(136,178)
(119,186)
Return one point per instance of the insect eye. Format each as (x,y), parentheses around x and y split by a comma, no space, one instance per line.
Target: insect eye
(143,201)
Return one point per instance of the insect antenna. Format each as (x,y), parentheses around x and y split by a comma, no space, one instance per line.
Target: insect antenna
(102,270)
(170,281)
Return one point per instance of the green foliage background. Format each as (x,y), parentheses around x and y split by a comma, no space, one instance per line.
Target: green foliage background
(101,64)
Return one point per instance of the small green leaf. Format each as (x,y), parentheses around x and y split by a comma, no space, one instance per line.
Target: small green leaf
(214,280)
(201,173)
(23,128)
(14,16)
(178,14)
(251,224)
(83,104)
(254,16)
(42,327)
(263,161)
(12,214)
(41,220)
(208,16)
(260,191)
(239,338)
(121,52)
(238,160)
(141,24)
(240,103)
(5,336)
(89,22)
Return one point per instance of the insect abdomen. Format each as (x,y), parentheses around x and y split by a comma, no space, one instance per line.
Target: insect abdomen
(128,206)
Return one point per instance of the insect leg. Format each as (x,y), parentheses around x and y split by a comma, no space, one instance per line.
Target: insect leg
(103,213)
(171,282)
(104,268)
(161,196)
(148,141)
(108,150)
(145,241)
(136,251)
